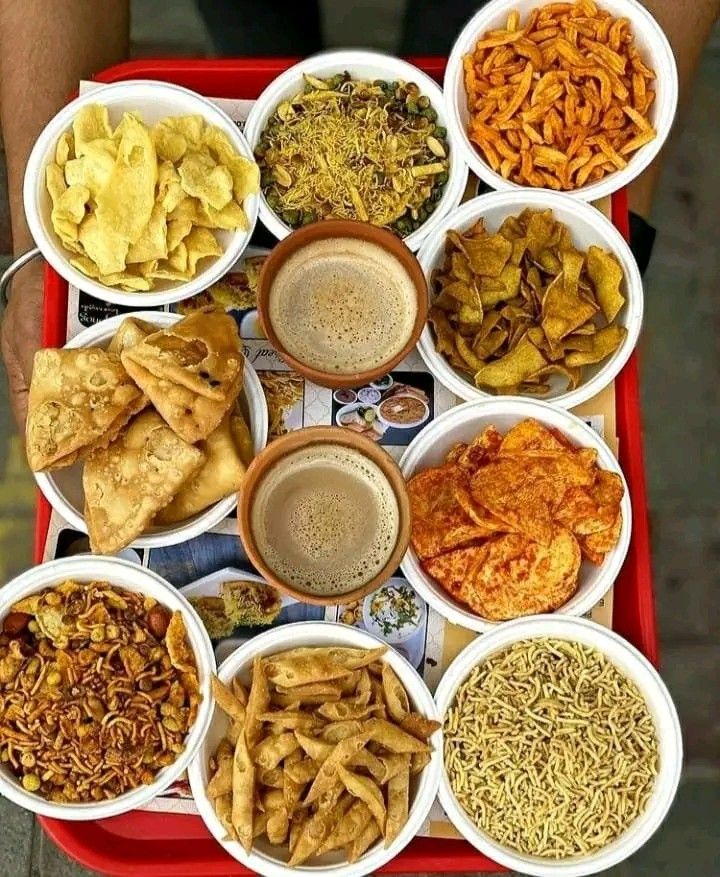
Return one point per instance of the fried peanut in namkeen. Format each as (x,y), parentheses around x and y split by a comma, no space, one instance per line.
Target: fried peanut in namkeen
(319,753)
(560,100)
(98,690)
(505,522)
(523,310)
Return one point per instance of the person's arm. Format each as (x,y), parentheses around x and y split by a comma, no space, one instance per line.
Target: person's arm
(687,25)
(46,47)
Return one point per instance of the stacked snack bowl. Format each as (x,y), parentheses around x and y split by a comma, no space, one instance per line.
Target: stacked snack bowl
(154,101)
(653,45)
(634,666)
(361,65)
(130,577)
(588,227)
(263,858)
(63,487)
(461,424)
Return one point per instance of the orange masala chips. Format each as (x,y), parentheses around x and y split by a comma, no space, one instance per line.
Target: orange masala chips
(559,101)
(504,524)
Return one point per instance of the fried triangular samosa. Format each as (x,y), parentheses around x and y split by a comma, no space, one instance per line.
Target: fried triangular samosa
(80,399)
(128,483)
(221,474)
(201,352)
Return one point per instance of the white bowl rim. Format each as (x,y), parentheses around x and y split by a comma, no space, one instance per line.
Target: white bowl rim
(342,634)
(347,58)
(90,566)
(599,637)
(34,178)
(612,182)
(517,199)
(202,521)
(523,408)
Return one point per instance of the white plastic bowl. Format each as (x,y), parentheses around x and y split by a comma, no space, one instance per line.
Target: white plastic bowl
(154,101)
(588,226)
(361,65)
(632,664)
(650,41)
(131,577)
(263,858)
(63,487)
(463,423)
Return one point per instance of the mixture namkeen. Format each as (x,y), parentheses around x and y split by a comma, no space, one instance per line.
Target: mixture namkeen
(136,205)
(319,753)
(154,418)
(98,690)
(514,309)
(549,749)
(560,100)
(505,522)
(350,149)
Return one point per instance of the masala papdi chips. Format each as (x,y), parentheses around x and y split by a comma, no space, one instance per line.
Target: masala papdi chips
(135,205)
(311,782)
(129,482)
(542,505)
(515,308)
(79,400)
(559,100)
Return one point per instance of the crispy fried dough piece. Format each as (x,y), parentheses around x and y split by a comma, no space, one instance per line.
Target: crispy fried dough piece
(202,352)
(511,575)
(79,400)
(128,483)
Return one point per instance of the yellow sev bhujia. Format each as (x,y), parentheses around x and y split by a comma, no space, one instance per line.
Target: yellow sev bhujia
(353,149)
(561,100)
(550,749)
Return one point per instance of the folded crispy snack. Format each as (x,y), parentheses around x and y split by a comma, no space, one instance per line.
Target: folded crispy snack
(129,333)
(191,416)
(128,483)
(201,353)
(79,401)
(221,474)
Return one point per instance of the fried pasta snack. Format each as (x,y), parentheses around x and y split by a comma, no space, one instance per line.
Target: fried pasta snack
(560,100)
(99,689)
(516,308)
(319,754)
(137,205)
(504,524)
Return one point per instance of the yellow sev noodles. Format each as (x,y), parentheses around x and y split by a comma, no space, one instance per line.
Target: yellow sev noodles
(549,749)
(351,152)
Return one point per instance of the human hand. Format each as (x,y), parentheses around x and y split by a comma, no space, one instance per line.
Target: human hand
(20,334)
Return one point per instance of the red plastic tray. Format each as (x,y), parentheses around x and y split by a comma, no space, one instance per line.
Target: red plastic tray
(168,845)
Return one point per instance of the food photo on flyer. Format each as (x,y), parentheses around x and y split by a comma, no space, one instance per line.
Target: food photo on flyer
(325,368)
